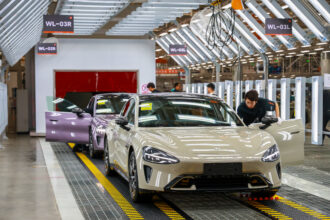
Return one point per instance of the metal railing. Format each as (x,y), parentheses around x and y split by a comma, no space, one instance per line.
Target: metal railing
(292,95)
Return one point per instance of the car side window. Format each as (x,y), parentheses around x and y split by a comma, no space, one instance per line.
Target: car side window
(125,108)
(131,113)
(90,106)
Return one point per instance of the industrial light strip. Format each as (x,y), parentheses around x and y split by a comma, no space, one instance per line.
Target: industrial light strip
(279,12)
(21,26)
(289,42)
(90,15)
(153,14)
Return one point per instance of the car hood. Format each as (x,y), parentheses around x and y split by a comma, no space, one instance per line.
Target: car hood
(209,142)
(104,119)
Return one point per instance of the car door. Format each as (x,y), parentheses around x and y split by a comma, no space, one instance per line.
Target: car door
(124,137)
(66,126)
(290,137)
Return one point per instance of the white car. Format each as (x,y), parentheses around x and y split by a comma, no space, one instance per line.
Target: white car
(189,142)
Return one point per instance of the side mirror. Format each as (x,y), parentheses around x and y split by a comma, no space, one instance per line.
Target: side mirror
(267,121)
(122,121)
(78,111)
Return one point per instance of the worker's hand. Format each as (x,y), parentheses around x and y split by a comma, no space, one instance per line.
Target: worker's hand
(279,121)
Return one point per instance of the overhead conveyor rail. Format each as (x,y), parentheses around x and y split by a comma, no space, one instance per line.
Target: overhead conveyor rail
(249,21)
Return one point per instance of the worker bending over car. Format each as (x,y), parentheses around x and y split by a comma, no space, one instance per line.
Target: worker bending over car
(254,108)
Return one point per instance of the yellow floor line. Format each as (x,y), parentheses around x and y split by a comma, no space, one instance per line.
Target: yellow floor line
(164,207)
(271,212)
(129,210)
(303,208)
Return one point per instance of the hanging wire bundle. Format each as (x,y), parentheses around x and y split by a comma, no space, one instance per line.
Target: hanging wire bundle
(215,35)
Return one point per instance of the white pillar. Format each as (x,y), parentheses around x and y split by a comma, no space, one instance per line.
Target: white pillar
(317,110)
(238,93)
(260,87)
(221,90)
(300,99)
(229,92)
(285,98)
(272,83)
(205,88)
(248,85)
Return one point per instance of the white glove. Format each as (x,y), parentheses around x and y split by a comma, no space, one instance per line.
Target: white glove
(279,121)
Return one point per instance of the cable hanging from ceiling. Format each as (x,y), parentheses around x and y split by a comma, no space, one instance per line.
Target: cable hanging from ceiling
(215,35)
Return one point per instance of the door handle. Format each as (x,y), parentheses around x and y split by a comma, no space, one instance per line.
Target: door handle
(53,120)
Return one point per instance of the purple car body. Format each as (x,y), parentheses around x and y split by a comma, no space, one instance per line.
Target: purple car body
(86,127)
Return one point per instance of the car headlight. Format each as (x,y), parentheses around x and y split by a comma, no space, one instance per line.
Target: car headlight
(100,130)
(154,155)
(272,154)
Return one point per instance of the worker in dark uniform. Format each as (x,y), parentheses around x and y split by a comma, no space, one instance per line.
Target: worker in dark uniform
(253,108)
(152,88)
(211,89)
(177,87)
(326,111)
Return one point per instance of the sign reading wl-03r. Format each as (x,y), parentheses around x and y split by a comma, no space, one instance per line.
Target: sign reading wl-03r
(278,26)
(47,49)
(58,24)
(178,49)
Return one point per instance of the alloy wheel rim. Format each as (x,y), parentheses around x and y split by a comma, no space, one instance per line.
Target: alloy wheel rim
(132,171)
(91,145)
(106,158)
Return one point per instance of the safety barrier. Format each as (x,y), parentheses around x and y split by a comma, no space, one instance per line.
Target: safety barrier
(3,107)
(289,90)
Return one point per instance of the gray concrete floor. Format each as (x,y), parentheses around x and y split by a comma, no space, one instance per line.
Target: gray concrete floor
(25,188)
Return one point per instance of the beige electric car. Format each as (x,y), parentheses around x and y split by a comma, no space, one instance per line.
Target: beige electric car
(190,142)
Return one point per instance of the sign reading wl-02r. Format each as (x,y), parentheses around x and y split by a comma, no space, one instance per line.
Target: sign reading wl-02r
(178,49)
(47,49)
(278,26)
(58,24)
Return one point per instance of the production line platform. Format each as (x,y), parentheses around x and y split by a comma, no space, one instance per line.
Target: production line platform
(102,197)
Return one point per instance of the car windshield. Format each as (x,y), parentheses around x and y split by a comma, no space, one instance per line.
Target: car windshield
(110,104)
(182,111)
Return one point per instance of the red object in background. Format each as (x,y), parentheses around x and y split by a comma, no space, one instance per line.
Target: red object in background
(95,82)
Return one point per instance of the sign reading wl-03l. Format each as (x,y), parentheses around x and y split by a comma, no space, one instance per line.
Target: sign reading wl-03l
(58,24)
(178,49)
(278,26)
(47,49)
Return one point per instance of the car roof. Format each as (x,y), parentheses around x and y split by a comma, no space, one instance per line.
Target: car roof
(113,94)
(177,95)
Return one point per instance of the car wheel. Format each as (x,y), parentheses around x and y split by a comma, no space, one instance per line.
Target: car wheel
(108,170)
(91,150)
(133,182)
(264,194)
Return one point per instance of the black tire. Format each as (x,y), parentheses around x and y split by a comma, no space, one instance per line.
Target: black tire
(91,150)
(264,194)
(109,171)
(133,182)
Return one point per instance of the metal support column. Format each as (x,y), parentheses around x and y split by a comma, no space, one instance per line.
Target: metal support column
(229,93)
(260,87)
(205,89)
(248,85)
(285,98)
(300,99)
(217,71)
(200,88)
(187,73)
(221,90)
(238,93)
(194,88)
(317,110)
(266,68)
(272,84)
